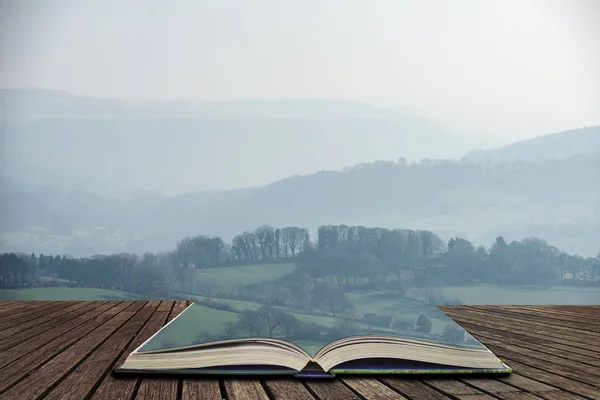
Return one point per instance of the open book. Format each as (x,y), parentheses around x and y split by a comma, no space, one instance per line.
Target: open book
(182,346)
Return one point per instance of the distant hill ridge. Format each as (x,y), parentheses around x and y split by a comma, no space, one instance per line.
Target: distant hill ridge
(558,145)
(451,198)
(42,103)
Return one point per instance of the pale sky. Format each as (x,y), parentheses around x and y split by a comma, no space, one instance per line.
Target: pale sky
(512,68)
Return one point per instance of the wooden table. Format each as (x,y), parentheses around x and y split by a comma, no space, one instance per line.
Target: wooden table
(66,350)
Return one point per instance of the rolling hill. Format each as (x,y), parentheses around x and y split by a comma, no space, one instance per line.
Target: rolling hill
(72,162)
(556,200)
(110,146)
(559,145)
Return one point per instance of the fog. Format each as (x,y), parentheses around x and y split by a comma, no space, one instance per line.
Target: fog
(510,68)
(144,141)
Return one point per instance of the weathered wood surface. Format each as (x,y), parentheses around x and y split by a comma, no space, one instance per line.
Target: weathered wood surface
(67,350)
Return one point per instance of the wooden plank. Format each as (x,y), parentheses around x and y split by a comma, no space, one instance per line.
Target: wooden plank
(245,389)
(555,349)
(490,385)
(201,389)
(41,380)
(574,311)
(158,389)
(476,397)
(545,367)
(414,388)
(8,307)
(574,365)
(569,315)
(27,315)
(35,337)
(370,388)
(288,389)
(557,381)
(80,382)
(514,323)
(532,314)
(559,395)
(49,315)
(114,387)
(168,385)
(178,308)
(165,306)
(20,307)
(523,330)
(19,315)
(519,396)
(451,387)
(526,384)
(330,390)
(587,310)
(526,324)
(22,363)
(547,364)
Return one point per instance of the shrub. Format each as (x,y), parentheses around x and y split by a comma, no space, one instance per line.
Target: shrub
(423,324)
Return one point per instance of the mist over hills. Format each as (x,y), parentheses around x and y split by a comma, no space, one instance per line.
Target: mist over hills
(108,146)
(472,200)
(558,145)
(81,175)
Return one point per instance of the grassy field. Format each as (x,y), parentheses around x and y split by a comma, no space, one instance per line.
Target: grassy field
(323,320)
(488,294)
(380,302)
(239,304)
(251,305)
(209,321)
(230,279)
(64,293)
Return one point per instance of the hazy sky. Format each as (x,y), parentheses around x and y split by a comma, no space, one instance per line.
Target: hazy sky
(515,68)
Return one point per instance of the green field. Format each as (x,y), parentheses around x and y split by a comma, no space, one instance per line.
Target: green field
(238,304)
(231,279)
(489,294)
(323,320)
(380,302)
(64,293)
(209,321)
(252,305)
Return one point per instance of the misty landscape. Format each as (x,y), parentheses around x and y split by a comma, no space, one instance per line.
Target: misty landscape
(437,181)
(288,204)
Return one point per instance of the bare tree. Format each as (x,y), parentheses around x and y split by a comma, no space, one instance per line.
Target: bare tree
(265,236)
(272,317)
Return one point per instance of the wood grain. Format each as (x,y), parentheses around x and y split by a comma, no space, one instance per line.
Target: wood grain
(201,389)
(288,389)
(372,389)
(22,362)
(67,350)
(245,389)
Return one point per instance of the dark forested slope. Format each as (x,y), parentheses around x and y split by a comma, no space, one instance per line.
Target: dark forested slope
(557,198)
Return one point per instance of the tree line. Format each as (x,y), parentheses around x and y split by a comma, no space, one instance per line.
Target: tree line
(344,255)
(356,255)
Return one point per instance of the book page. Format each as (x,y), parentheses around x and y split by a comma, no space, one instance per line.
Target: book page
(200,324)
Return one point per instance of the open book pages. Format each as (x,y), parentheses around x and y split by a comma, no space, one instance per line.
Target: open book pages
(192,343)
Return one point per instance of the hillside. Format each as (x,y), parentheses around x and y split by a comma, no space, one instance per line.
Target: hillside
(553,146)
(108,157)
(553,199)
(109,146)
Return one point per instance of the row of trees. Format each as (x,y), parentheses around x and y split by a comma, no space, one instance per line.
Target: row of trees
(154,274)
(263,243)
(266,242)
(355,255)
(348,255)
